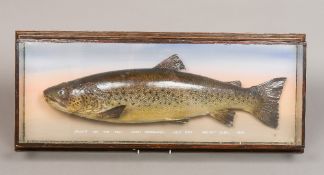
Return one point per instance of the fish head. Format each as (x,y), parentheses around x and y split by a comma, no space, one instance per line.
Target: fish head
(63,97)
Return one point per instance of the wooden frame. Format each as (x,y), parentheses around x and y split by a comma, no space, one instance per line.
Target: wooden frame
(157,37)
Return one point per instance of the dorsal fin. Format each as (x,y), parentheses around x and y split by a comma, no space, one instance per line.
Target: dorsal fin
(235,83)
(172,63)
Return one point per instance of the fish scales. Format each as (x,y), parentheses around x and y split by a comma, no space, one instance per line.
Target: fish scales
(149,90)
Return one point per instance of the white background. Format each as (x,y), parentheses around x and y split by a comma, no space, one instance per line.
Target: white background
(293,16)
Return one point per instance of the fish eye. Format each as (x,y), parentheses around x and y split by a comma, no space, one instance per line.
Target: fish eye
(61,92)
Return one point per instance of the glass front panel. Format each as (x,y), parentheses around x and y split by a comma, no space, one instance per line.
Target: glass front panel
(46,64)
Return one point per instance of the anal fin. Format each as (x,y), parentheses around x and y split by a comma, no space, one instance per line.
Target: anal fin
(225,117)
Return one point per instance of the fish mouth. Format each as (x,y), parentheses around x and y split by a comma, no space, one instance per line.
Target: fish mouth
(53,101)
(56,104)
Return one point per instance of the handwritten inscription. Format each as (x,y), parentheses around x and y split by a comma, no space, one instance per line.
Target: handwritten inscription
(159,132)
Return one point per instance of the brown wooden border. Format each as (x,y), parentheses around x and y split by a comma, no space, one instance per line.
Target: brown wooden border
(157,37)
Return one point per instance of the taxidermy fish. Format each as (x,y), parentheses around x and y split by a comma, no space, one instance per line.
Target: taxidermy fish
(164,93)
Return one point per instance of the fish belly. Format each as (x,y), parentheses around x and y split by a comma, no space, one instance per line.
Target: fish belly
(166,105)
(160,114)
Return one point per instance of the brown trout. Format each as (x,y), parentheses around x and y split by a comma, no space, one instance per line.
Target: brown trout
(164,93)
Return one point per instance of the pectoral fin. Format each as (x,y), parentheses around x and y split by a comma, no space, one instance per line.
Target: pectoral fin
(113,112)
(226,117)
(172,63)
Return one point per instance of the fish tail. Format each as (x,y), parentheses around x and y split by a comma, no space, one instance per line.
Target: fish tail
(267,110)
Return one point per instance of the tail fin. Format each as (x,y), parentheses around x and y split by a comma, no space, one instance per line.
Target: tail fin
(270,91)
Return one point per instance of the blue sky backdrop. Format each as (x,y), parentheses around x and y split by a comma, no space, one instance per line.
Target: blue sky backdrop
(229,58)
